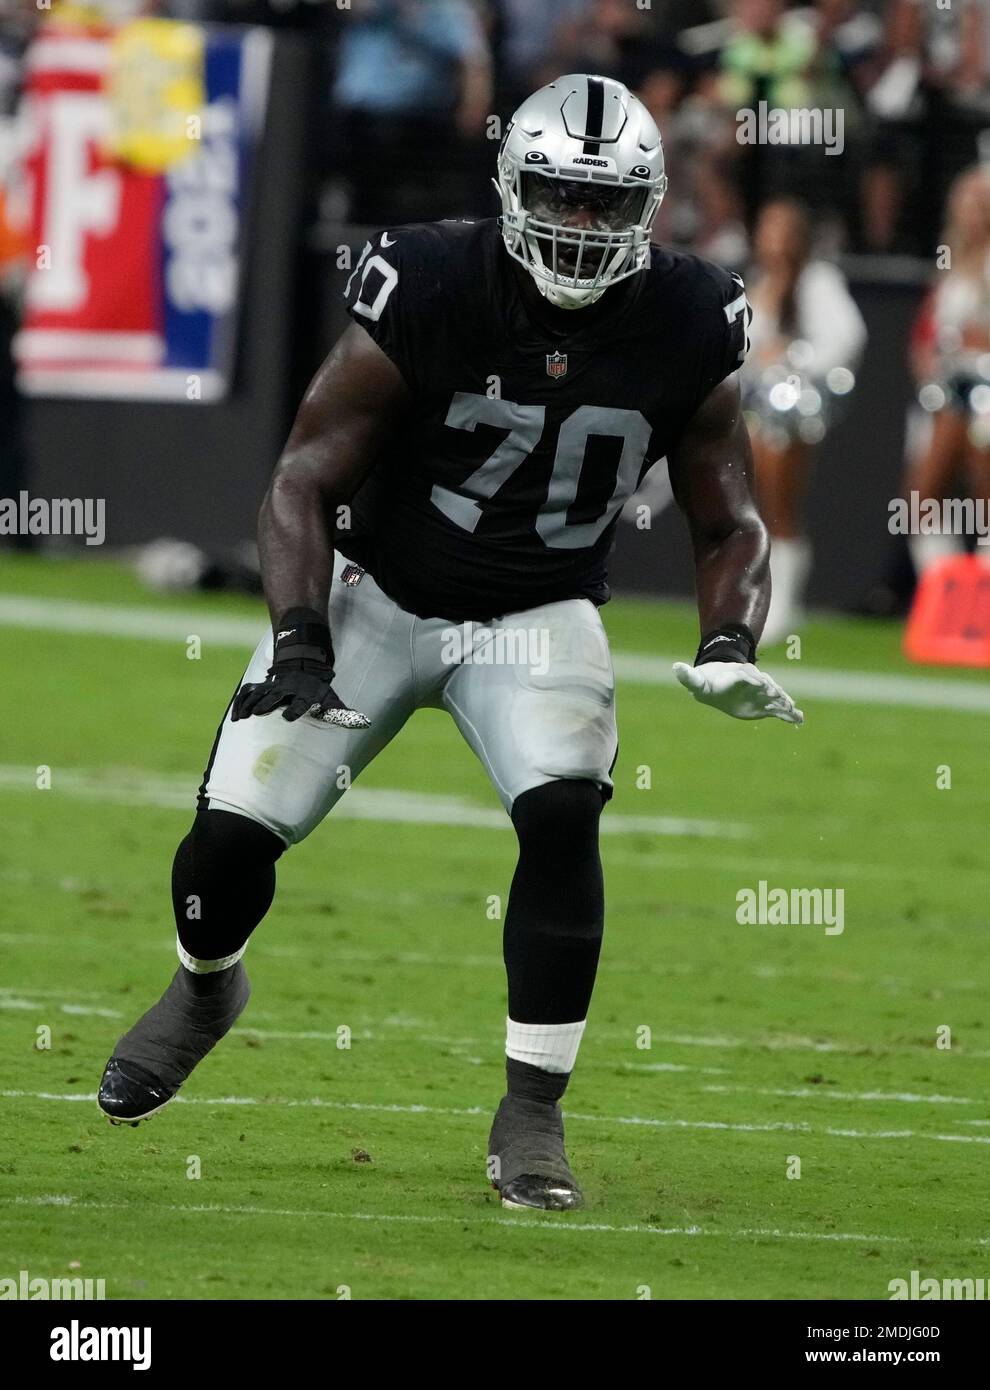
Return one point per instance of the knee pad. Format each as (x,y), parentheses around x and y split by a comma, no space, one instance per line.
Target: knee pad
(553,816)
(556,910)
(223,882)
(558,881)
(222,837)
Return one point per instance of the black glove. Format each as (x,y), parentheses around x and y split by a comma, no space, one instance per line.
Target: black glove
(730,642)
(299,677)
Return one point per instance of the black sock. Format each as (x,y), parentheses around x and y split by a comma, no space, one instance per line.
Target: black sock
(556,910)
(211,983)
(532,1083)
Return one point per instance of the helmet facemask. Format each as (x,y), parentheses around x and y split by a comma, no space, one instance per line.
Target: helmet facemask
(576,235)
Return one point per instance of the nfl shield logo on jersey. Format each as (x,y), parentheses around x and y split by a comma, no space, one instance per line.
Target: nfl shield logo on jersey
(556,364)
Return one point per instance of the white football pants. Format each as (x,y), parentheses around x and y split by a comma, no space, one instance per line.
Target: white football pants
(533,694)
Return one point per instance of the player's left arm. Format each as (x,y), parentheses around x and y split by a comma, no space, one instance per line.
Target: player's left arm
(711,473)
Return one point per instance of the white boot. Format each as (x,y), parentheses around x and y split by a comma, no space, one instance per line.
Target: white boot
(790,564)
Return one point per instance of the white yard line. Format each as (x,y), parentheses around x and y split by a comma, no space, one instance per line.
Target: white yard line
(825,1092)
(644,1121)
(14,1003)
(494,1044)
(384,956)
(497,1220)
(424,1028)
(147,623)
(718,1042)
(176,791)
(128,787)
(156,624)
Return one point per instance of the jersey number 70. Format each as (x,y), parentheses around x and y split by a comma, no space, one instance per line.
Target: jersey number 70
(524,426)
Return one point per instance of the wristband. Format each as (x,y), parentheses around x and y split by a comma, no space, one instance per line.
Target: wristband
(730,642)
(301,635)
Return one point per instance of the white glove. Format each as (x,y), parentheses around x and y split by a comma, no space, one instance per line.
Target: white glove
(737,688)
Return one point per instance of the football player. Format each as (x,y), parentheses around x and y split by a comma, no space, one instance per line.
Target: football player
(458,464)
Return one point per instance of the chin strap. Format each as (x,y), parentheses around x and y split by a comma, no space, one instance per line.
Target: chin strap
(551,292)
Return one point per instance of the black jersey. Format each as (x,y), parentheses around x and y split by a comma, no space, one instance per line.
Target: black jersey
(530,425)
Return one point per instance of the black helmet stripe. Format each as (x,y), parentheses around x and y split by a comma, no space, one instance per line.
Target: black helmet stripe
(595,115)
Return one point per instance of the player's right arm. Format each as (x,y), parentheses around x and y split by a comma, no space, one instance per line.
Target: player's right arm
(352,404)
(346,414)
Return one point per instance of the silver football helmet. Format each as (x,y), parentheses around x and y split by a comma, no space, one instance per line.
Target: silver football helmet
(581,177)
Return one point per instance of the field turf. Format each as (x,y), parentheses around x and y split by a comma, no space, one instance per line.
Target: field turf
(716,1054)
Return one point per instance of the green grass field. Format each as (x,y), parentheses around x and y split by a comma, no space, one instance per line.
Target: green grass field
(767,1043)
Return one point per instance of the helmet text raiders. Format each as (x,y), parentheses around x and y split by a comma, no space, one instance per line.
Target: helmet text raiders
(581,177)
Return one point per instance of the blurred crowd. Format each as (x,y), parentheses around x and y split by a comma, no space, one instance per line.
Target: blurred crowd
(410,89)
(411,98)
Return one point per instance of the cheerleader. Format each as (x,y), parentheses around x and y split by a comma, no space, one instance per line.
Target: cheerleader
(952,362)
(807,336)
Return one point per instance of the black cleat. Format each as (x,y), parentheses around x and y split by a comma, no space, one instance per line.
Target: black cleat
(129,1093)
(526,1159)
(151,1062)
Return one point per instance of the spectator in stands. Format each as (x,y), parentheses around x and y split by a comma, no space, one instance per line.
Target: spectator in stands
(616,38)
(766,59)
(806,336)
(767,55)
(849,39)
(845,63)
(702,210)
(930,102)
(662,93)
(720,231)
(535,43)
(307,15)
(951,358)
(412,94)
(817,60)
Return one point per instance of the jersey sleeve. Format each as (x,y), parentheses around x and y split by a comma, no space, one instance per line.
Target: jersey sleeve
(393,292)
(736,316)
(722,317)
